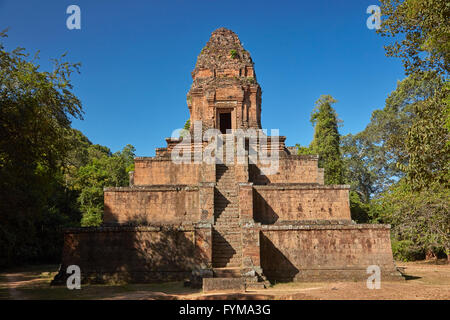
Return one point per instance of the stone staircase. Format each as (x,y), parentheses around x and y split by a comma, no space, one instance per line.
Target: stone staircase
(227,236)
(227,242)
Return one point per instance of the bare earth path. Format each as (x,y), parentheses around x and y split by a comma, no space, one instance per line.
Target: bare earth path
(424,281)
(12,285)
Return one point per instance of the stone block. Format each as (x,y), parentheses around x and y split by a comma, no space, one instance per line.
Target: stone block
(223,285)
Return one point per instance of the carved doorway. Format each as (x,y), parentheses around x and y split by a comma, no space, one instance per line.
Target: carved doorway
(224,122)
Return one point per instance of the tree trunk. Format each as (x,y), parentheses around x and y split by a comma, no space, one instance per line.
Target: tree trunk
(429,255)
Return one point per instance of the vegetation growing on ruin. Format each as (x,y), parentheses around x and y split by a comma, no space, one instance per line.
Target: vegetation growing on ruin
(233,54)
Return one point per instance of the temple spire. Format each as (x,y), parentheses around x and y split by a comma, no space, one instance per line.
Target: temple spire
(225,93)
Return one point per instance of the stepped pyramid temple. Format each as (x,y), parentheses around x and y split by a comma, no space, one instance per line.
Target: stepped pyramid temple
(256,213)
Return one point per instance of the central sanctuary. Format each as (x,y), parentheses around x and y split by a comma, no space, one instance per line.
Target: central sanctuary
(227,224)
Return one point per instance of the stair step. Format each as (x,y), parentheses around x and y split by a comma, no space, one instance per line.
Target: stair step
(224,237)
(231,225)
(227,240)
(227,272)
(222,252)
(228,231)
(228,212)
(223,223)
(230,250)
(227,261)
(225,231)
(225,256)
(223,260)
(233,244)
(230,216)
(255,286)
(229,258)
(229,246)
(227,265)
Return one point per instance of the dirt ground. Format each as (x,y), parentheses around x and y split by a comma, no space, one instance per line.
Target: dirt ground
(424,280)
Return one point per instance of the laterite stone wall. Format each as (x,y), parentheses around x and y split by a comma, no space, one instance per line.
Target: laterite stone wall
(309,253)
(153,171)
(284,203)
(136,254)
(155,205)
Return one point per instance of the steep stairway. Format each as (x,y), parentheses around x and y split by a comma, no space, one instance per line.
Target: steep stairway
(227,236)
(227,247)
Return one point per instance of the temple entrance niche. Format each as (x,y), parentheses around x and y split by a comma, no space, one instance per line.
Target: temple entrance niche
(225,122)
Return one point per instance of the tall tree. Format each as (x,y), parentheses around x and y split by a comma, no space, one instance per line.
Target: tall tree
(36,108)
(377,157)
(103,169)
(51,176)
(326,139)
(427,143)
(419,202)
(421,33)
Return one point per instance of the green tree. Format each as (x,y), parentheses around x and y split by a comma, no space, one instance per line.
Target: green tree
(51,176)
(376,157)
(326,142)
(103,170)
(36,108)
(427,143)
(418,203)
(303,150)
(421,33)
(419,218)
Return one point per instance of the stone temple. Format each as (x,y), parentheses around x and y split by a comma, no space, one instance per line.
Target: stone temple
(227,223)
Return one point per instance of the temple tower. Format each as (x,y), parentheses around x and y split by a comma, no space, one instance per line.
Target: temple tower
(225,93)
(228,224)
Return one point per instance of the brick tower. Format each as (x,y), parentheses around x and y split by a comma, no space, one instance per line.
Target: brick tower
(225,93)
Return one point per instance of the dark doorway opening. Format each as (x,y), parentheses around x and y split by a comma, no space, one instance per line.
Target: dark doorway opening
(225,122)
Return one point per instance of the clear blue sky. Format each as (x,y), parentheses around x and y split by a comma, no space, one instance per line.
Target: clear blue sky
(137,57)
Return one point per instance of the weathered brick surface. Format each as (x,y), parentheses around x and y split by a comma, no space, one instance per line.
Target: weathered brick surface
(141,254)
(278,203)
(251,246)
(165,172)
(223,285)
(206,202)
(325,252)
(292,169)
(168,204)
(223,82)
(246,202)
